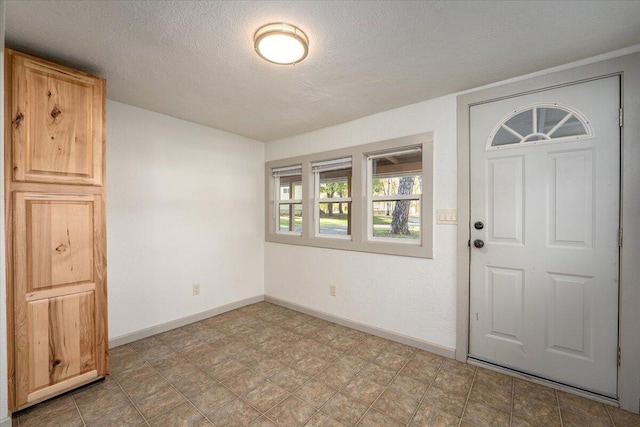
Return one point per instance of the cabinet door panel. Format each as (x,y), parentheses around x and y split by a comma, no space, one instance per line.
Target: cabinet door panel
(62,339)
(57,128)
(58,293)
(60,238)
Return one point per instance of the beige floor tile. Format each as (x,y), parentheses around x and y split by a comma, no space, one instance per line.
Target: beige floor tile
(96,390)
(124,358)
(243,382)
(444,401)
(351,362)
(374,418)
(289,379)
(134,375)
(624,418)
(452,383)
(193,384)
(344,410)
(420,369)
(310,365)
(145,386)
(327,353)
(409,385)
(315,393)
(458,368)
(377,374)
(93,408)
(485,416)
(428,357)
(336,376)
(291,412)
(48,411)
(494,379)
(396,405)
(212,399)
(536,411)
(158,352)
(269,366)
(496,397)
(236,413)
(390,360)
(429,416)
(579,405)
(363,390)
(122,414)
(265,396)
(529,390)
(183,415)
(366,351)
(342,343)
(263,422)
(573,419)
(159,402)
(225,369)
(322,420)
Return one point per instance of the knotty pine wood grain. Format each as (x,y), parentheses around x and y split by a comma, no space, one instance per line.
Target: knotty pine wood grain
(67,312)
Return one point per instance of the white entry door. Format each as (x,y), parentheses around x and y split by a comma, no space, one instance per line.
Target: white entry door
(545,185)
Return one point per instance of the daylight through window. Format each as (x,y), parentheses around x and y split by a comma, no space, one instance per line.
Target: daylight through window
(289,199)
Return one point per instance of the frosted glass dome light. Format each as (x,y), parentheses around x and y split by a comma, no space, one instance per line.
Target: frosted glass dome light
(281,43)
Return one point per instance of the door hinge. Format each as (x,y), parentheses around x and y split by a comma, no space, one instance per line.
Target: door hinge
(469,243)
(620,237)
(621,117)
(619,356)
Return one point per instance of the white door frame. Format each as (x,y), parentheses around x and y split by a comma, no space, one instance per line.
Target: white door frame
(629,316)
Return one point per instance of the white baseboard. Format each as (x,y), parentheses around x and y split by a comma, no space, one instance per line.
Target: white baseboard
(153,330)
(402,339)
(5,422)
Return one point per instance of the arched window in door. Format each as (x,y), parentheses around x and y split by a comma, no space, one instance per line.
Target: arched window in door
(540,123)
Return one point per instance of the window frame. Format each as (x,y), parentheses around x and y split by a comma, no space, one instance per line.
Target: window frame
(278,202)
(360,199)
(318,200)
(371,199)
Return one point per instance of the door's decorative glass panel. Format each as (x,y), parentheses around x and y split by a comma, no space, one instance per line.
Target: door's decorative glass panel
(541,123)
(569,321)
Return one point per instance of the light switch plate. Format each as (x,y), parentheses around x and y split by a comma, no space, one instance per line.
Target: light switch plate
(447,216)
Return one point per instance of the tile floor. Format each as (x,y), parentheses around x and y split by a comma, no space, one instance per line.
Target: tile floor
(264,365)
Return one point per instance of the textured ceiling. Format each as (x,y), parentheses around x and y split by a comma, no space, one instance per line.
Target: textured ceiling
(195,60)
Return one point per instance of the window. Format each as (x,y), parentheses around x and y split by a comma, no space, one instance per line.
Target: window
(540,123)
(288,182)
(395,188)
(332,212)
(375,197)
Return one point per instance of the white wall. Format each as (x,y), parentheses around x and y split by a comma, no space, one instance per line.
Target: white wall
(184,207)
(409,296)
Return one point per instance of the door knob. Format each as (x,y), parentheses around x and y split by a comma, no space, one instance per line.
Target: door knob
(479,225)
(478,243)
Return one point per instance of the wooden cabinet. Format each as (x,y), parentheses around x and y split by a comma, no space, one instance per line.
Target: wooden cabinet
(55,224)
(57,123)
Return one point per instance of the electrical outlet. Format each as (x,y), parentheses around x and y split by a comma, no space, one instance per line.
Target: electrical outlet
(196,290)
(332,290)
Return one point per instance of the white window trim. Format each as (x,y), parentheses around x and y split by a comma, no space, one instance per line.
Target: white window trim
(359,239)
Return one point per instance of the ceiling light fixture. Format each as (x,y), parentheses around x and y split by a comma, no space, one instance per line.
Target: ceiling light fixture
(281,43)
